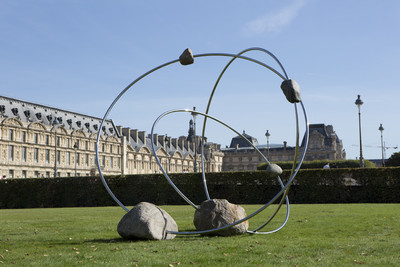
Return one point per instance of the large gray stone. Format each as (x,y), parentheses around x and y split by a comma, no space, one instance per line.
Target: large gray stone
(186,58)
(147,221)
(274,169)
(215,213)
(291,89)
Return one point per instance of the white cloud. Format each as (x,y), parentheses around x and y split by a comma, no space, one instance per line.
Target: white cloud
(274,21)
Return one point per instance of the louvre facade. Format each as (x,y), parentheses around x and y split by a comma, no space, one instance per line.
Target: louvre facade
(41,141)
(324,144)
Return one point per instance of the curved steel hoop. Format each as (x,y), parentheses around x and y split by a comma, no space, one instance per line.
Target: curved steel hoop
(285,188)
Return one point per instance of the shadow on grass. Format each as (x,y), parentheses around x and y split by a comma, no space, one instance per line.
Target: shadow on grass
(177,237)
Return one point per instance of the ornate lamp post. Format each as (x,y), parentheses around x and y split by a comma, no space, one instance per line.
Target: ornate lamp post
(76,149)
(167,143)
(195,139)
(55,125)
(267,134)
(359,102)
(383,157)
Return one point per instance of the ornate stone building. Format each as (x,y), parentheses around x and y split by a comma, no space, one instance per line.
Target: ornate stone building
(42,141)
(324,144)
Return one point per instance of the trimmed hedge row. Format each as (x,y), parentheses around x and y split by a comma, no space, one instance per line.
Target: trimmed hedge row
(318,164)
(369,185)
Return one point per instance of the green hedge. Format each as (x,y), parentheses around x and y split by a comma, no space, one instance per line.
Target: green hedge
(368,185)
(319,164)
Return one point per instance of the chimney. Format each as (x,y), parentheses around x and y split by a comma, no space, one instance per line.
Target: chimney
(155,139)
(119,129)
(181,143)
(142,137)
(135,135)
(284,144)
(174,142)
(125,133)
(161,140)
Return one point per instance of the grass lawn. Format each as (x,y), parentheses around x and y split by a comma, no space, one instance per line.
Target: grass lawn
(325,235)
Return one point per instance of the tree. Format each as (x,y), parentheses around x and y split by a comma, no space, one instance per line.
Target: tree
(394,160)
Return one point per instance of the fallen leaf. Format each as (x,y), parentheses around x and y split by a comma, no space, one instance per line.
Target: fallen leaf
(75,249)
(358,262)
(77,252)
(45,255)
(1,256)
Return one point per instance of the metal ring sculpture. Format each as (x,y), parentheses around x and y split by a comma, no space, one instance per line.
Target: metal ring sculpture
(292,93)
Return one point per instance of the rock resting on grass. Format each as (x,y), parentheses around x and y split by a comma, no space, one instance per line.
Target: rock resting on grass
(215,213)
(147,221)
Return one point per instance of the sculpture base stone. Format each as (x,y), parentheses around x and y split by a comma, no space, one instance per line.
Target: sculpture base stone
(147,221)
(215,213)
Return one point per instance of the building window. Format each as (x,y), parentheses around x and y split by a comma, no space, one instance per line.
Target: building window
(87,145)
(11,174)
(23,137)
(87,160)
(47,156)
(119,163)
(11,135)
(11,153)
(23,154)
(68,142)
(102,148)
(47,139)
(36,155)
(23,174)
(58,157)
(111,148)
(48,174)
(35,138)
(58,141)
(77,158)
(68,158)
(103,161)
(111,162)
(36,174)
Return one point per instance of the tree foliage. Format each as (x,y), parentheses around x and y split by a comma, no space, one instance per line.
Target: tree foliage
(394,160)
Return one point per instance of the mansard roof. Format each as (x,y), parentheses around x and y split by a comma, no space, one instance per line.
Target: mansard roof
(31,112)
(325,130)
(238,140)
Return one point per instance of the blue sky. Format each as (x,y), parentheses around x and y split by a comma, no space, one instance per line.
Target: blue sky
(78,56)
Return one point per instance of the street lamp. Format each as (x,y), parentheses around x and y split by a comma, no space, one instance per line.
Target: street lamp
(76,149)
(55,125)
(267,134)
(195,139)
(359,102)
(166,142)
(383,157)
